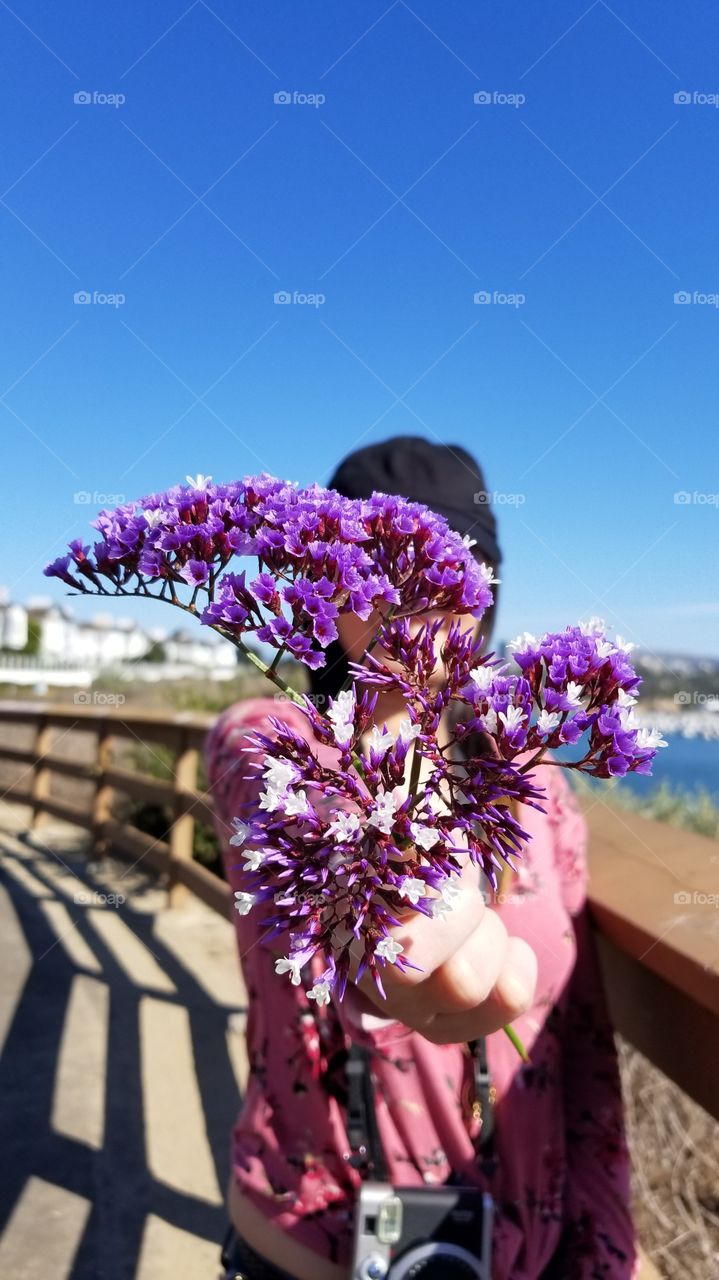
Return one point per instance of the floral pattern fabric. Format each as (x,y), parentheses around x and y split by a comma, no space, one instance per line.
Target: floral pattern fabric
(560,1172)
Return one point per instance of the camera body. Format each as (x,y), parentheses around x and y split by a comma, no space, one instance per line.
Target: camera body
(422,1233)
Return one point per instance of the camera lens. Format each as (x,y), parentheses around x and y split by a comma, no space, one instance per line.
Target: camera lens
(440,1268)
(435,1261)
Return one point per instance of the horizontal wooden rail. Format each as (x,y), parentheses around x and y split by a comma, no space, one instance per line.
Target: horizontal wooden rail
(653,897)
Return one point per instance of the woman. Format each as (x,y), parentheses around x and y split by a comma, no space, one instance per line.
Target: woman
(559,1168)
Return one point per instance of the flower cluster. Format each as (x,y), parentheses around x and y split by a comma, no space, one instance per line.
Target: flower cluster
(318,555)
(586,685)
(337,853)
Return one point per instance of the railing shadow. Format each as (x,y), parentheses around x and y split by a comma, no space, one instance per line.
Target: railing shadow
(114,1179)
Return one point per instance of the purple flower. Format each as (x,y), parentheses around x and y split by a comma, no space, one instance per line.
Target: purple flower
(337,850)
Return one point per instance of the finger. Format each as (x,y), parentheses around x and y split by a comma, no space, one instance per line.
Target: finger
(461,984)
(428,943)
(512,995)
(468,977)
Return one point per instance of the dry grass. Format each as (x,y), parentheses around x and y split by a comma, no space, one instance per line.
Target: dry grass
(675,1155)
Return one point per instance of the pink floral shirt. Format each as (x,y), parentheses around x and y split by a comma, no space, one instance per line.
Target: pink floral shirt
(562,1166)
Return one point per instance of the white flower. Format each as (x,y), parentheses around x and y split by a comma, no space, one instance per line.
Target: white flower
(628,718)
(389,949)
(241,830)
(199,481)
(574,693)
(272,799)
(469,542)
(604,648)
(380,742)
(487,573)
(512,718)
(649,738)
(280,774)
(448,895)
(341,715)
(482,677)
(424,837)
(254,859)
(153,516)
(297,804)
(383,814)
(626,645)
(450,892)
(625,699)
(525,641)
(547,721)
(244,902)
(291,965)
(413,889)
(320,992)
(344,827)
(593,626)
(408,731)
(489,720)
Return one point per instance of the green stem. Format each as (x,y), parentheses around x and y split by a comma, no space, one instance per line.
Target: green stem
(272,675)
(514,1039)
(276,659)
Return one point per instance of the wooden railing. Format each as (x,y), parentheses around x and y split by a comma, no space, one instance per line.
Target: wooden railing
(182,733)
(654,889)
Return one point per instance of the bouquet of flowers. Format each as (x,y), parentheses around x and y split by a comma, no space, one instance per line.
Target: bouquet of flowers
(333,854)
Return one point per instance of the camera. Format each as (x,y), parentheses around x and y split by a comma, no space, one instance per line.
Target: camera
(422,1233)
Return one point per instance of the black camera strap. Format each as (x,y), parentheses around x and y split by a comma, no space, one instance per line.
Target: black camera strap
(483,1093)
(362,1128)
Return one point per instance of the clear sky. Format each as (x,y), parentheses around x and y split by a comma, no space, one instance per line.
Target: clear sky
(581,188)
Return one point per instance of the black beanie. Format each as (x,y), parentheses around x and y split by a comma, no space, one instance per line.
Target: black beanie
(442,476)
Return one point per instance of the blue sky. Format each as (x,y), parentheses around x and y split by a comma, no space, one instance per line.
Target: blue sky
(581,188)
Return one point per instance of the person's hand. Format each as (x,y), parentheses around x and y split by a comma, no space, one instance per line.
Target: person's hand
(474,977)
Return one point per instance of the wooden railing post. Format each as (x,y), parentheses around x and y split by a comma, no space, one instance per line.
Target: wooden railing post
(102,800)
(182,833)
(41,774)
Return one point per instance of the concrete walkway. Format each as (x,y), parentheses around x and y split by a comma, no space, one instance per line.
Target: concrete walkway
(123,1062)
(122,1037)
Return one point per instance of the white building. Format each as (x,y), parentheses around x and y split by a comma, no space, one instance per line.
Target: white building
(196,649)
(106,640)
(13,626)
